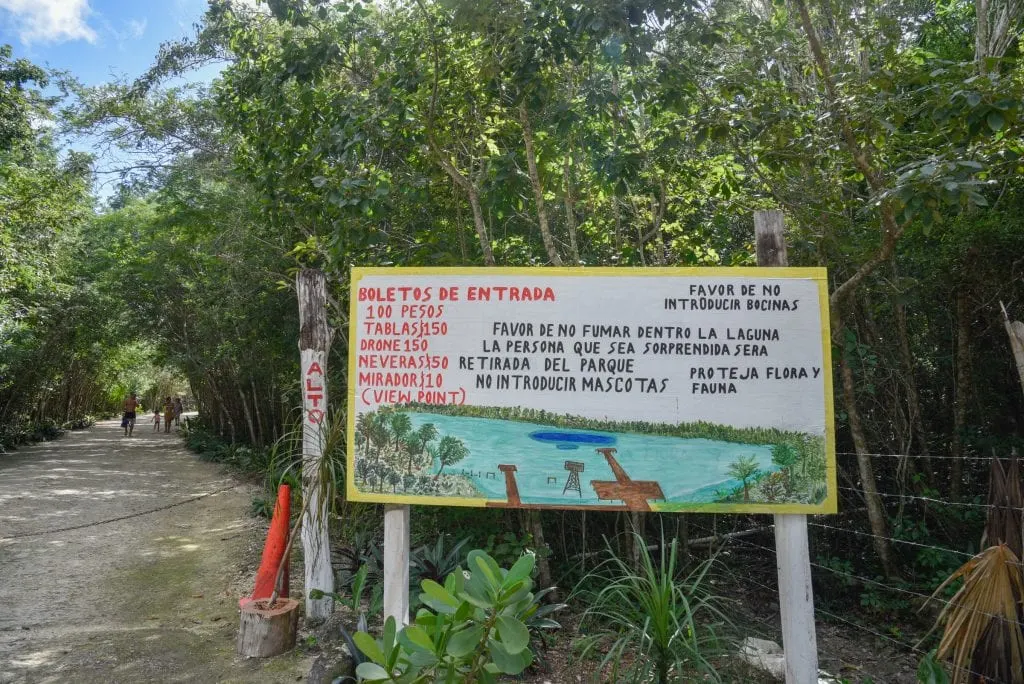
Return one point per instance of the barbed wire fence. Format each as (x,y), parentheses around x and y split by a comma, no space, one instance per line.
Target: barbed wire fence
(896,616)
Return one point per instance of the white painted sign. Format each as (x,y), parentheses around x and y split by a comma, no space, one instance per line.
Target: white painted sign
(708,389)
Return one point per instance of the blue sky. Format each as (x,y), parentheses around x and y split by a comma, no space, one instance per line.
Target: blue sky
(97,40)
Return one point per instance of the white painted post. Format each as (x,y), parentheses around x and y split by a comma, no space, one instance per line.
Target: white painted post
(792,556)
(314,342)
(396,563)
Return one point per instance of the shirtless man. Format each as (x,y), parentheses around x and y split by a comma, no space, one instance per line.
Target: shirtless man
(128,421)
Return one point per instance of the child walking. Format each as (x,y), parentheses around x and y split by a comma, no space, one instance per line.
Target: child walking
(156,418)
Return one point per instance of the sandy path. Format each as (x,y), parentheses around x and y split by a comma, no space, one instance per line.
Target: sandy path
(150,598)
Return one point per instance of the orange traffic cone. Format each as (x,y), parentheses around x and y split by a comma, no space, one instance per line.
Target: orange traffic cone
(273,550)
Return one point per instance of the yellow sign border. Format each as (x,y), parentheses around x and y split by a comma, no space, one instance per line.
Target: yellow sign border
(818,274)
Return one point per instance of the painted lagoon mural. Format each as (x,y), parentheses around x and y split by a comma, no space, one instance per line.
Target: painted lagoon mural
(528,462)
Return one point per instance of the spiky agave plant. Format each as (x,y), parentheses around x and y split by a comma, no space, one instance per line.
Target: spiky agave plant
(651,623)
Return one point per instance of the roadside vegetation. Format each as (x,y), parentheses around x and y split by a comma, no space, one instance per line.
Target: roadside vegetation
(550,133)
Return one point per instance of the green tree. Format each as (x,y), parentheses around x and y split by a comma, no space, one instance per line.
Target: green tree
(400,426)
(744,468)
(785,456)
(450,451)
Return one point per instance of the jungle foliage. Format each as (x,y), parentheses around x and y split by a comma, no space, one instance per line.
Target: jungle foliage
(444,132)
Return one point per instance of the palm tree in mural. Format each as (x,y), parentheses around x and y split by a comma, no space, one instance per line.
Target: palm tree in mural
(364,428)
(450,451)
(743,469)
(380,435)
(362,469)
(434,451)
(401,426)
(785,456)
(412,445)
(424,436)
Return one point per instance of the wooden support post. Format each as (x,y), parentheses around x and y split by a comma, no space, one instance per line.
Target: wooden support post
(265,631)
(792,555)
(396,563)
(511,487)
(314,342)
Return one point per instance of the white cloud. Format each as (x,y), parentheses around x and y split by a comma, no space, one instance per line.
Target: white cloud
(257,6)
(136,28)
(50,21)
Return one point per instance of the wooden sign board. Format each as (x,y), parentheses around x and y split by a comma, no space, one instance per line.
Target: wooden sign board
(654,389)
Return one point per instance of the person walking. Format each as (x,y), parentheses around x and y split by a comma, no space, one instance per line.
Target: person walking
(178,410)
(128,418)
(156,416)
(168,413)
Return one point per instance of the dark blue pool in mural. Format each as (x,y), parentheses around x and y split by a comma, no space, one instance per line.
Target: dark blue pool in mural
(568,441)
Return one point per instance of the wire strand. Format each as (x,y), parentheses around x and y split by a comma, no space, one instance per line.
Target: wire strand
(25,535)
(929,457)
(867,580)
(892,539)
(933,500)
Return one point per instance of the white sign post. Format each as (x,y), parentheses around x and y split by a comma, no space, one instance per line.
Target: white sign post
(396,563)
(606,389)
(792,556)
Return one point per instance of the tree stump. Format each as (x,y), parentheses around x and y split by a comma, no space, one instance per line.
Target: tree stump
(264,631)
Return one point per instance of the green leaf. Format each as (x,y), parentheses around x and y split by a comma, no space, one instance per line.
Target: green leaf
(369,647)
(372,672)
(418,636)
(435,591)
(390,630)
(517,592)
(509,663)
(521,570)
(465,642)
(481,603)
(480,560)
(512,634)
(995,120)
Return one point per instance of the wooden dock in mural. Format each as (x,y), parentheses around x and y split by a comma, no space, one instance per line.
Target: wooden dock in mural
(636,494)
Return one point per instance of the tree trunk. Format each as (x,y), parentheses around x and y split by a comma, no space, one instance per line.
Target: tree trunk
(683,535)
(995,29)
(638,525)
(248,414)
(261,428)
(961,393)
(474,203)
(538,189)
(876,512)
(913,397)
(265,631)
(314,343)
(224,414)
(534,524)
(570,209)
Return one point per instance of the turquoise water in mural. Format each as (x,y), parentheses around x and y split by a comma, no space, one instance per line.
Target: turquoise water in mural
(688,470)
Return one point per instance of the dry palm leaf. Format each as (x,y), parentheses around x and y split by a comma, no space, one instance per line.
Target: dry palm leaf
(1005,521)
(983,634)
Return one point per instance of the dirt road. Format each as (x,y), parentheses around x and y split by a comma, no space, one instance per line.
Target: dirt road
(141,590)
